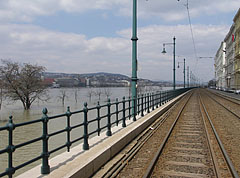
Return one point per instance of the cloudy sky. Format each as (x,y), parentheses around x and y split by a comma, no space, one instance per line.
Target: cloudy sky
(84,36)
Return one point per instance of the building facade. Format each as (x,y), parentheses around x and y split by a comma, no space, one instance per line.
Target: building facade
(220,66)
(230,54)
(227,58)
(237,49)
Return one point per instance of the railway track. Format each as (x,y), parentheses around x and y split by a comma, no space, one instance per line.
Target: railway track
(230,104)
(187,150)
(227,125)
(182,143)
(140,143)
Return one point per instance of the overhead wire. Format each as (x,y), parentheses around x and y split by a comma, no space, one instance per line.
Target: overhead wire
(190,23)
(192,35)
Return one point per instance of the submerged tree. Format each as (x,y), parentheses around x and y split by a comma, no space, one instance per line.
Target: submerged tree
(90,93)
(98,93)
(23,82)
(107,92)
(2,93)
(62,96)
(76,95)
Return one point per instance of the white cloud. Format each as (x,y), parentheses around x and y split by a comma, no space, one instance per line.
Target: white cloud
(58,51)
(27,10)
(69,52)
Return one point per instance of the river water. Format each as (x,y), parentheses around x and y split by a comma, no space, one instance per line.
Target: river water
(75,97)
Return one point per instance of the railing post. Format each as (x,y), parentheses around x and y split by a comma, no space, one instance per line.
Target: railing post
(165,97)
(124,114)
(150,100)
(148,109)
(45,169)
(153,101)
(134,108)
(160,97)
(129,107)
(142,106)
(11,148)
(157,99)
(138,104)
(109,132)
(85,122)
(145,102)
(68,128)
(117,111)
(168,95)
(98,118)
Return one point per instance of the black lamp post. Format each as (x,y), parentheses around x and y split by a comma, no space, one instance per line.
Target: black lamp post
(164,52)
(183,70)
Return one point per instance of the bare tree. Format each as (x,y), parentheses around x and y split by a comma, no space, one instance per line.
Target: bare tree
(107,92)
(98,93)
(76,94)
(62,96)
(2,94)
(90,93)
(141,88)
(23,82)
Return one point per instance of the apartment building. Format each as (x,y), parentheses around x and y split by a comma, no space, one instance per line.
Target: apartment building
(227,58)
(230,53)
(220,66)
(237,50)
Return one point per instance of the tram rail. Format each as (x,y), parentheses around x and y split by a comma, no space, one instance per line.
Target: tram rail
(216,172)
(190,146)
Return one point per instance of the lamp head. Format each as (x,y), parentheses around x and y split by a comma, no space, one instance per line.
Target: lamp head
(164,50)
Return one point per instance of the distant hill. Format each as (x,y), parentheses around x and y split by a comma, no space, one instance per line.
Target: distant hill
(105,74)
(89,75)
(106,79)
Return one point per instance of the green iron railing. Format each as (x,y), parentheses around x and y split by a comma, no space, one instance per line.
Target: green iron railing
(116,112)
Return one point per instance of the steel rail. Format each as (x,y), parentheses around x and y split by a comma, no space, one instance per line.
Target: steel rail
(158,153)
(227,158)
(224,107)
(216,170)
(143,138)
(229,98)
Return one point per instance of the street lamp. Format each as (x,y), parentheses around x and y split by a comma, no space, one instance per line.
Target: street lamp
(164,52)
(134,60)
(183,70)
